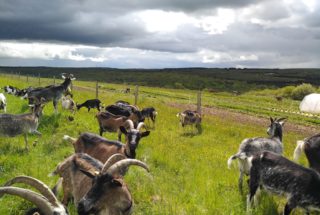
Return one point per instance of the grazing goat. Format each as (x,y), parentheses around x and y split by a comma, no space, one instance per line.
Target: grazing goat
(46,201)
(252,146)
(189,117)
(98,188)
(279,175)
(117,110)
(10,90)
(53,93)
(311,147)
(68,104)
(109,122)
(91,103)
(129,111)
(149,113)
(12,125)
(3,103)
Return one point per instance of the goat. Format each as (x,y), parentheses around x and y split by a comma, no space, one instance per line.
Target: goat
(252,146)
(101,149)
(109,122)
(91,103)
(311,147)
(53,93)
(10,90)
(46,201)
(117,110)
(3,103)
(135,113)
(279,175)
(98,188)
(12,125)
(68,104)
(149,112)
(189,117)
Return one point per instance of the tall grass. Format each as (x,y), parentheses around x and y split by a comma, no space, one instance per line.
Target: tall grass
(188,174)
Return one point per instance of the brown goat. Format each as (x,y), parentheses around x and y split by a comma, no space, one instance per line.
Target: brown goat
(101,149)
(110,122)
(107,193)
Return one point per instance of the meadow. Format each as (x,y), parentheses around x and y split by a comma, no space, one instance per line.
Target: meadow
(188,174)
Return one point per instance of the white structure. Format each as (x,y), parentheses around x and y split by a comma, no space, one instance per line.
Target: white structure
(310,103)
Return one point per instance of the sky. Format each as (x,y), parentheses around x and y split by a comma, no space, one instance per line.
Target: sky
(160,33)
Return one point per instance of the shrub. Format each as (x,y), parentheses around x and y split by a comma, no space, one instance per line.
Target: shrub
(301,91)
(286,92)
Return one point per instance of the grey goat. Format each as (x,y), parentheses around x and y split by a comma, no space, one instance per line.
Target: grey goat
(252,146)
(12,125)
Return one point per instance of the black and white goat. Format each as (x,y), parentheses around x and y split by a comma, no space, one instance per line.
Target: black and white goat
(52,93)
(311,147)
(279,175)
(3,103)
(10,90)
(91,103)
(253,146)
(68,104)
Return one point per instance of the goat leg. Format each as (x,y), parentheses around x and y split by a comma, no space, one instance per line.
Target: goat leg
(37,133)
(26,141)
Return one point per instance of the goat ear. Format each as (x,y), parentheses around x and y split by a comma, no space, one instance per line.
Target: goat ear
(123,130)
(90,174)
(144,134)
(63,75)
(271,120)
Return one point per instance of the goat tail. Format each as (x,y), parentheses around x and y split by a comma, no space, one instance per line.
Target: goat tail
(298,151)
(68,138)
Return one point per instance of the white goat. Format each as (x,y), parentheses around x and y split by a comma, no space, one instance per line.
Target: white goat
(3,103)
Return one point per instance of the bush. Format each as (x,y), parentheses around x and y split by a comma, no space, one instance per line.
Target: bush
(285,92)
(301,91)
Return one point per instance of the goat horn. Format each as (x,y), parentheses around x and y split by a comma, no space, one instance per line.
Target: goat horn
(37,199)
(140,125)
(122,166)
(281,119)
(112,160)
(129,123)
(39,185)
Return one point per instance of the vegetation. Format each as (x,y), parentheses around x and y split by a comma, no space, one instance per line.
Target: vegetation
(188,171)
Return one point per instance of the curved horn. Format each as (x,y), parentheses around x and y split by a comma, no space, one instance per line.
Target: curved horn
(39,185)
(112,160)
(141,125)
(129,123)
(121,166)
(31,196)
(281,119)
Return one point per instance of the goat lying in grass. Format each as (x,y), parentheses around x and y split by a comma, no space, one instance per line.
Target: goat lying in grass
(12,125)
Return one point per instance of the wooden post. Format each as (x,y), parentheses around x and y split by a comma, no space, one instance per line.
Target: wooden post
(199,102)
(54,80)
(136,94)
(97,90)
(19,75)
(39,79)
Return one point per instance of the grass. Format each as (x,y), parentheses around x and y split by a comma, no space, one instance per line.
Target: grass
(188,175)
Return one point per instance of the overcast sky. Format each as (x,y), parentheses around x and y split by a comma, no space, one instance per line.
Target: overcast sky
(160,33)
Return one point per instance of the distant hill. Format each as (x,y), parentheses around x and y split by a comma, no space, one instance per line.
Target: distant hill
(215,79)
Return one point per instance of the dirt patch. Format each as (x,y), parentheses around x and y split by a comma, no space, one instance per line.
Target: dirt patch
(248,119)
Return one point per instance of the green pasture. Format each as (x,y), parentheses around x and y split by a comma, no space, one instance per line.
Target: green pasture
(188,174)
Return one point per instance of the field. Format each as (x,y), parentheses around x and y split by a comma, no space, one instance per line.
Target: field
(188,174)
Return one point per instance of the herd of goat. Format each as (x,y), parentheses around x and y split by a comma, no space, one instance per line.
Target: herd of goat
(94,175)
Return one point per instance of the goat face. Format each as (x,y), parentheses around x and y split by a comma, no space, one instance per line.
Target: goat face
(275,126)
(133,137)
(100,201)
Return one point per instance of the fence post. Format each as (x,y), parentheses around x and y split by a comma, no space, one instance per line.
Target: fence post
(136,94)
(27,78)
(199,102)
(39,79)
(97,90)
(54,80)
